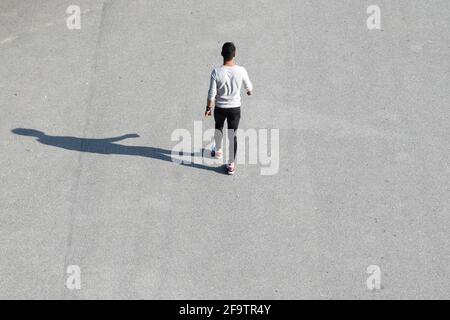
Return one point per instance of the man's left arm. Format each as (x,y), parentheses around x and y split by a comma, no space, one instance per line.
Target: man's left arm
(247,83)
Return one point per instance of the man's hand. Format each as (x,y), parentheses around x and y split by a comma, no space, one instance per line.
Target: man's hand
(249,93)
(208,112)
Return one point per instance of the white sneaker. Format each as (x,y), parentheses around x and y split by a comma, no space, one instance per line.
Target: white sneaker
(217,154)
(231,168)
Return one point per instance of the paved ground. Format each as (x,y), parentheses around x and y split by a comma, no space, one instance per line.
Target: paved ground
(364,151)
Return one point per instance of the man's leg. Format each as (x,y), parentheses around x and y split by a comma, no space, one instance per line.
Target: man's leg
(233,118)
(219,118)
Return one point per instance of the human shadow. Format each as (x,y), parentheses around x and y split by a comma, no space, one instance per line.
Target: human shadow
(108,146)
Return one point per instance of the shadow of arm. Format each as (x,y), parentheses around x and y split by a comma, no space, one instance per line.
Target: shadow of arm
(123,137)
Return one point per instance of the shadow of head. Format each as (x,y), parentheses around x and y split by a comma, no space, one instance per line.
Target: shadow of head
(28,132)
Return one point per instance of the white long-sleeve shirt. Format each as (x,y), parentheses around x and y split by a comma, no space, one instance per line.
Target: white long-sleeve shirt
(225,86)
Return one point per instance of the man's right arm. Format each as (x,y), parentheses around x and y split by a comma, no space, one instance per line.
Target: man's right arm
(212,92)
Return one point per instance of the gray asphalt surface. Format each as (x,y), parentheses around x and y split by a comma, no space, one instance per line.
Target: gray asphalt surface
(364,151)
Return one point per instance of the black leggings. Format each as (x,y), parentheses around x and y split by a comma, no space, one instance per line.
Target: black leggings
(233,115)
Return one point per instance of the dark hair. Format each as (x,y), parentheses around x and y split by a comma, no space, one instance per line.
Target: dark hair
(228,51)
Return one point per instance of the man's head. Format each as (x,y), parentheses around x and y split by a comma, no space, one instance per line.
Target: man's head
(228,51)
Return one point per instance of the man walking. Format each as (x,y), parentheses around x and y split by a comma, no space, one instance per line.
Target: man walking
(224,93)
